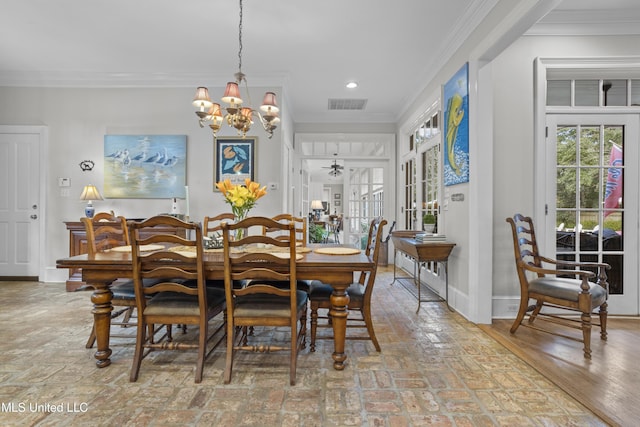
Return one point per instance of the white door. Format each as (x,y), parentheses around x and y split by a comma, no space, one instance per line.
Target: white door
(365,187)
(19,204)
(592,198)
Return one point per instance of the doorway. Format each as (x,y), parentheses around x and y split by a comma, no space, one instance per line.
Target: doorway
(364,185)
(21,225)
(593,200)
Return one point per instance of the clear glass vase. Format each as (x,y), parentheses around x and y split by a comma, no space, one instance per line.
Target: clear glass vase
(240,232)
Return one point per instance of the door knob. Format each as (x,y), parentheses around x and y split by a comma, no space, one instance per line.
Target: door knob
(34,216)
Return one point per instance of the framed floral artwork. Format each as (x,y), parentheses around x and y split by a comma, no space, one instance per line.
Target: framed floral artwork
(235,159)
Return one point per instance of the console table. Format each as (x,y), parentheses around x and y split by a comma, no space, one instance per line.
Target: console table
(421,252)
(78,246)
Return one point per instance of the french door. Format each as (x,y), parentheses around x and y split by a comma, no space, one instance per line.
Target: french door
(364,195)
(592,189)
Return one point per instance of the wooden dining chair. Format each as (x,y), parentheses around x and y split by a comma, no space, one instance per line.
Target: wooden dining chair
(105,231)
(300,224)
(211,224)
(564,285)
(261,303)
(359,315)
(173,300)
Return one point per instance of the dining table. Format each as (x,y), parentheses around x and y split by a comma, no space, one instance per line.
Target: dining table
(318,262)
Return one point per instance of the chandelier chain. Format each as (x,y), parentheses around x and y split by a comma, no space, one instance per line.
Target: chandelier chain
(240,41)
(239,114)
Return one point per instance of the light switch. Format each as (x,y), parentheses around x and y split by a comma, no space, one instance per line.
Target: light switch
(273,186)
(64,182)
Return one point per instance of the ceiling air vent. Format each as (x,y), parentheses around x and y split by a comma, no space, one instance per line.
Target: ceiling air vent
(347,104)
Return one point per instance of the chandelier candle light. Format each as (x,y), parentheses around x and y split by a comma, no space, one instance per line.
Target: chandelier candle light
(238,117)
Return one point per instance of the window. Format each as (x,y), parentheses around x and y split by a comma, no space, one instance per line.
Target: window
(421,169)
(593,93)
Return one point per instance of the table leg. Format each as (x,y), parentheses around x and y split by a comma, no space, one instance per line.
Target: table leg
(102,309)
(338,312)
(419,284)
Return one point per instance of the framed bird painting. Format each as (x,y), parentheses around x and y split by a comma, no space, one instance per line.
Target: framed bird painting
(145,166)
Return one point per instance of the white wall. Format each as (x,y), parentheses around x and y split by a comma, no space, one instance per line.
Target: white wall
(78,119)
(514,178)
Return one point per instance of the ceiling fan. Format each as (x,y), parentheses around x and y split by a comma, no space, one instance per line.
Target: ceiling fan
(336,169)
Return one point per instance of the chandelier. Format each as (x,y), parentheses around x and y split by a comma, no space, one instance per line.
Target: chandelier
(237,116)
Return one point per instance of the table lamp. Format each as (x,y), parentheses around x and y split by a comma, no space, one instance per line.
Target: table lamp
(90,193)
(316,207)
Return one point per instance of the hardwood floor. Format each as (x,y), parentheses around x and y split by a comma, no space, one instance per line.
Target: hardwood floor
(607,384)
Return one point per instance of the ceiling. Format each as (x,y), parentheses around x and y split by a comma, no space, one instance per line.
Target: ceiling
(311,48)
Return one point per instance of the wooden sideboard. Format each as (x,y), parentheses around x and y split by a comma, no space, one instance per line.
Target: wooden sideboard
(78,246)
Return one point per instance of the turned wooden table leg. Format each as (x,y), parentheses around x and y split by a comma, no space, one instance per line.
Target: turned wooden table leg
(339,311)
(102,309)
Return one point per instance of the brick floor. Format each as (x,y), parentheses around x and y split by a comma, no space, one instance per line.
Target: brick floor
(435,369)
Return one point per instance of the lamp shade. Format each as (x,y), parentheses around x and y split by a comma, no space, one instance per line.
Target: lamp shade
(317,205)
(247,112)
(232,94)
(215,114)
(269,104)
(90,192)
(202,99)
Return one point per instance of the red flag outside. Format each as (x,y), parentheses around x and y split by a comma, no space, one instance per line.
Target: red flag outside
(613,188)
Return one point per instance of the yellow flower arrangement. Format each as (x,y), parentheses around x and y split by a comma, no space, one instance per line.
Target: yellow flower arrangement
(242,198)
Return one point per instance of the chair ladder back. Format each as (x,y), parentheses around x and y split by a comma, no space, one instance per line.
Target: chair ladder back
(373,251)
(250,265)
(524,239)
(300,224)
(105,231)
(168,267)
(212,225)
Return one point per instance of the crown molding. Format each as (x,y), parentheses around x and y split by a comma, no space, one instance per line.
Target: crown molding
(588,23)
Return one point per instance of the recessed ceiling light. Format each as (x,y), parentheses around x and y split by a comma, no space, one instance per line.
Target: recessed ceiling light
(352,85)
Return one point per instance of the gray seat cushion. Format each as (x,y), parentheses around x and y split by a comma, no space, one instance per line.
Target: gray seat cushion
(124,291)
(266,305)
(177,304)
(322,291)
(567,289)
(302,285)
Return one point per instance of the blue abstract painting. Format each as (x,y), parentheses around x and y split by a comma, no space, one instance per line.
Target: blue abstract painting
(456,128)
(235,159)
(145,166)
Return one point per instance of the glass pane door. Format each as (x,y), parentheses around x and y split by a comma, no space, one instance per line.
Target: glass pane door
(364,198)
(594,191)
